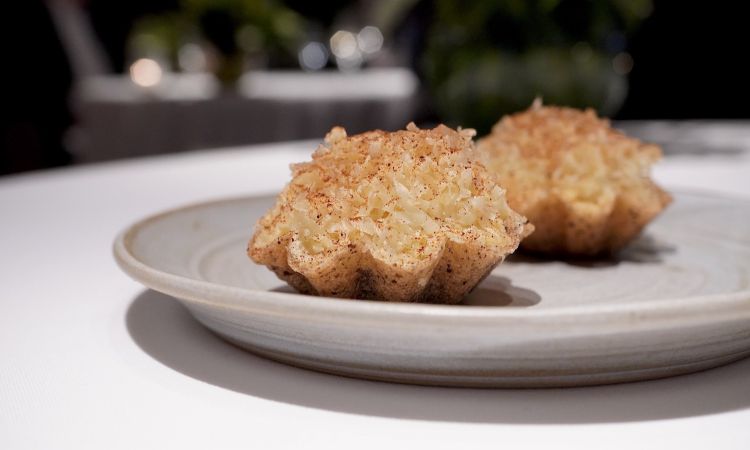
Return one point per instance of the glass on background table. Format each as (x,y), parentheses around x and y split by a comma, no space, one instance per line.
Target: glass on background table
(92,359)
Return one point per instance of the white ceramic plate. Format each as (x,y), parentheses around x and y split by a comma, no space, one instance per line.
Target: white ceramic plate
(676,301)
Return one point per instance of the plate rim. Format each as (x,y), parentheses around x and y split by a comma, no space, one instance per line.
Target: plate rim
(695,309)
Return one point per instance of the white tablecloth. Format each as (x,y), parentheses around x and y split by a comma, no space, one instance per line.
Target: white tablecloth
(91,359)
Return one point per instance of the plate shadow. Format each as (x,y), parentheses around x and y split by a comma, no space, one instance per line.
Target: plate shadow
(165,330)
(495,290)
(645,249)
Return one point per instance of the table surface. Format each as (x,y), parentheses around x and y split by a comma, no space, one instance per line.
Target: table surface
(91,359)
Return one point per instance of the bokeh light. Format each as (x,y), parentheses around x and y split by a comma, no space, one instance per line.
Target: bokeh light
(344,44)
(622,63)
(146,72)
(192,58)
(352,63)
(370,39)
(313,56)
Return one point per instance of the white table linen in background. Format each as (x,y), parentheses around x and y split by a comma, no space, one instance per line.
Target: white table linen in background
(116,118)
(91,359)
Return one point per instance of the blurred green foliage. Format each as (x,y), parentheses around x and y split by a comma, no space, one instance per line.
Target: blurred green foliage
(486,58)
(233,30)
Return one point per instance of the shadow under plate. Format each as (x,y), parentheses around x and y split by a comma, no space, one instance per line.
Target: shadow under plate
(164,329)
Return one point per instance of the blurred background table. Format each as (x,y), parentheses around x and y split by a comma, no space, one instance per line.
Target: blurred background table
(117,118)
(91,359)
(100,80)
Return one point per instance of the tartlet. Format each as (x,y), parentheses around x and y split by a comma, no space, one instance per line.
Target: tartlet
(585,186)
(405,216)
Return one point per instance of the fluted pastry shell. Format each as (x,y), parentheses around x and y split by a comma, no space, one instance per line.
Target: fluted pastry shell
(585,186)
(399,216)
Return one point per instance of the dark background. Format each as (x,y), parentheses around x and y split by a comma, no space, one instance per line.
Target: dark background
(690,60)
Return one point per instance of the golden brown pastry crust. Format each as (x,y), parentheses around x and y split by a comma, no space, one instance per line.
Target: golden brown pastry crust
(402,216)
(583,185)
